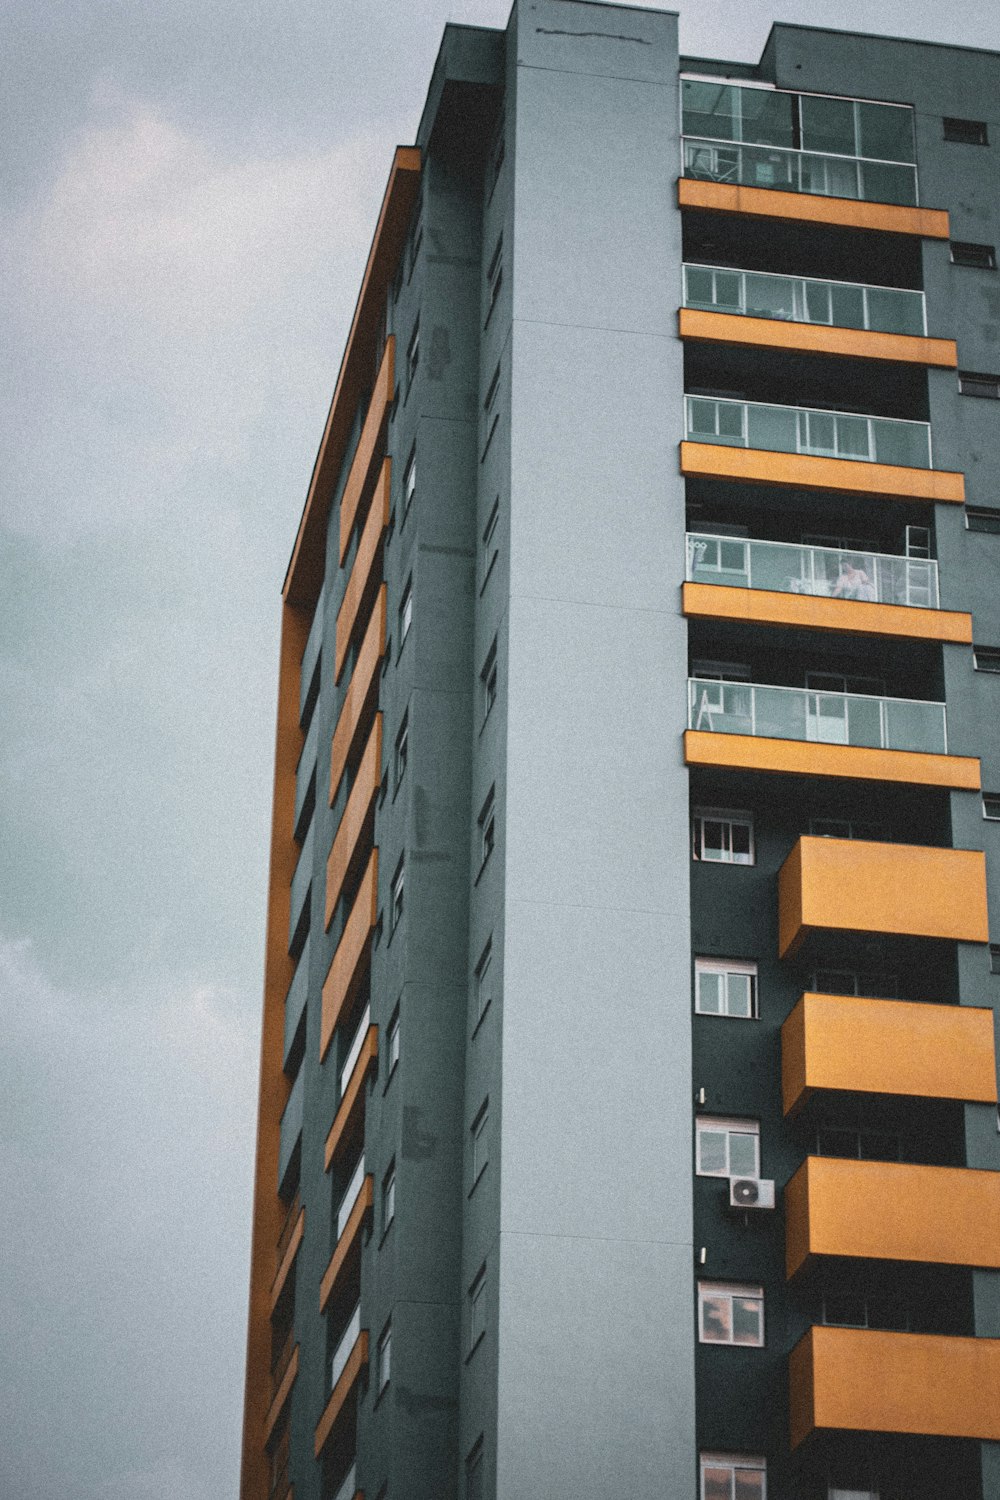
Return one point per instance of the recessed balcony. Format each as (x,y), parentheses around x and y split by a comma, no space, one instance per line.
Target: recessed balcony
(349,1358)
(361,1059)
(350,959)
(892,1211)
(353,1212)
(853,886)
(845,1044)
(863,1380)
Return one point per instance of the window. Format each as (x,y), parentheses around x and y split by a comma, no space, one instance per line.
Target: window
(847,828)
(474,1472)
(725,987)
(730,1314)
(392,1041)
(732,1476)
(991,806)
(396,899)
(405,612)
(499,152)
(383,1359)
(484,980)
(477,1309)
(494,280)
(853,982)
(723,838)
(727,1148)
(480,1143)
(995,958)
(412,356)
(389,1196)
(488,552)
(490,416)
(965,253)
(487,827)
(409,482)
(971,384)
(838,1492)
(402,751)
(966,132)
(856,1144)
(982,518)
(488,680)
(416,236)
(859,1310)
(986,658)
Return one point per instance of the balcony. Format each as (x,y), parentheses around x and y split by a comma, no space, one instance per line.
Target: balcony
(349,1486)
(284,1371)
(289,1242)
(351,1193)
(301,887)
(892,1211)
(311,654)
(844,1044)
(361,1059)
(362,473)
(366,570)
(808,315)
(347,1251)
(350,961)
(295,1001)
(305,771)
(861,1380)
(361,696)
(807,447)
(852,886)
(349,1359)
(355,833)
(291,1126)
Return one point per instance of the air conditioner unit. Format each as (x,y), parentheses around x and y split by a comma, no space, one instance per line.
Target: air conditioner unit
(751,1192)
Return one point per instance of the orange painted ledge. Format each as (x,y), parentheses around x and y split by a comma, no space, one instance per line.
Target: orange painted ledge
(281,1395)
(288,1259)
(875,1210)
(815,338)
(849,1044)
(862,1380)
(361,476)
(348,1242)
(361,695)
(366,570)
(812,208)
(357,820)
(351,957)
(353,1097)
(909,890)
(745,752)
(844,476)
(356,1361)
(813,612)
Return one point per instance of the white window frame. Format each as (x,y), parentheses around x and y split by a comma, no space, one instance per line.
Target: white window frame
(409,481)
(733,1462)
(402,751)
(392,1042)
(480,1141)
(726,967)
(412,356)
(724,815)
(729,1292)
(716,1124)
(405,612)
(383,1360)
(389,1196)
(397,897)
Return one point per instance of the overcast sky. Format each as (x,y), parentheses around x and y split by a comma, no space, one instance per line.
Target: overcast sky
(189,191)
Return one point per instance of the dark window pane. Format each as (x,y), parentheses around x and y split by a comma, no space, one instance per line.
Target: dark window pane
(886,132)
(828,125)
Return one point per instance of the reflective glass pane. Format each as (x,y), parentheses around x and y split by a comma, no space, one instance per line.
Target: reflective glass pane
(820,431)
(883,183)
(827,125)
(727,290)
(770,297)
(817,302)
(699,283)
(905,443)
(893,311)
(740,995)
(749,1484)
(886,131)
(766,167)
(767,117)
(747,1321)
(733,557)
(710,994)
(730,421)
(852,437)
(772,427)
(716,1320)
(701,417)
(741,844)
(708,109)
(827,719)
(848,306)
(742,1154)
(915,726)
(864,722)
(717,1484)
(712,1152)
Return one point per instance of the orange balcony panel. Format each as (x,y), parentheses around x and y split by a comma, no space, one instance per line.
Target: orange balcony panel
(288,1258)
(841,1043)
(744,752)
(860,1380)
(350,1108)
(802,471)
(815,338)
(349,1245)
(361,696)
(364,465)
(350,961)
(811,208)
(281,1395)
(856,616)
(366,570)
(890,1210)
(356,1362)
(849,885)
(354,836)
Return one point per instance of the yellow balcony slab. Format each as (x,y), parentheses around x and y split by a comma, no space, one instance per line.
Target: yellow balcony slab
(810,612)
(861,1380)
(815,338)
(812,208)
(291,1250)
(850,885)
(845,1044)
(351,1107)
(802,471)
(361,696)
(364,465)
(348,1247)
(890,1210)
(354,836)
(281,1395)
(744,752)
(366,570)
(356,1362)
(350,961)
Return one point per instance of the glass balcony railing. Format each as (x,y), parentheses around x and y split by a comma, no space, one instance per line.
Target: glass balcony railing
(342,1353)
(799,429)
(791,171)
(354,1051)
(804,299)
(349,1487)
(824,572)
(350,1197)
(784,713)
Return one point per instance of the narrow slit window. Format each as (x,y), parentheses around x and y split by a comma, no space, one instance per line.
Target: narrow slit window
(986,658)
(972,384)
(982,518)
(967,253)
(966,132)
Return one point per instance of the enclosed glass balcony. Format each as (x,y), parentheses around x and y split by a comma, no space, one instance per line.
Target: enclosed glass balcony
(342,1353)
(354,1051)
(798,143)
(786,713)
(804,299)
(824,572)
(350,1197)
(808,430)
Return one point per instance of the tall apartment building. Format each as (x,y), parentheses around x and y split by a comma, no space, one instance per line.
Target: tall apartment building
(628,1110)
